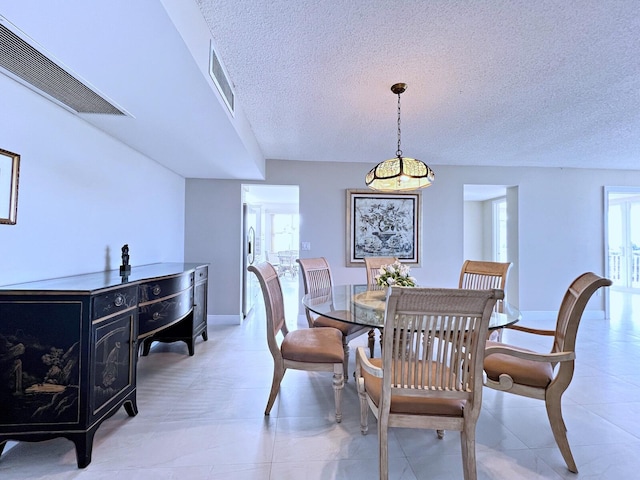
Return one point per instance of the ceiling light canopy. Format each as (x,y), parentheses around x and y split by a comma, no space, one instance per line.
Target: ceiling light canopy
(400,173)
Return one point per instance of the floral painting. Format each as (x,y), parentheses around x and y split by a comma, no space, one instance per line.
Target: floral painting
(383,225)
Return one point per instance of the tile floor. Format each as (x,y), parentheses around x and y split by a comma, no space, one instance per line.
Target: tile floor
(201,417)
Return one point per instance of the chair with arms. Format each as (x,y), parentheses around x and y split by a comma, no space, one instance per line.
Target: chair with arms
(373,265)
(311,349)
(479,275)
(430,373)
(545,376)
(316,276)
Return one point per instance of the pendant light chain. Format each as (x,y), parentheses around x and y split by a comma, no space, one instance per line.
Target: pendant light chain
(399,174)
(399,152)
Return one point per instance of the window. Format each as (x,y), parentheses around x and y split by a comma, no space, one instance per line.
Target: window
(284,231)
(499,218)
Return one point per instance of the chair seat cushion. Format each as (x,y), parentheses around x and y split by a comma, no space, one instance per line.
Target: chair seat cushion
(344,327)
(313,345)
(524,372)
(410,404)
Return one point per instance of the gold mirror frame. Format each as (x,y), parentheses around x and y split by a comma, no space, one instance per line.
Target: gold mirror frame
(9,172)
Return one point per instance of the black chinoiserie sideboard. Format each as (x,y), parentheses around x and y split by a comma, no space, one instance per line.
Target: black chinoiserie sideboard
(69,346)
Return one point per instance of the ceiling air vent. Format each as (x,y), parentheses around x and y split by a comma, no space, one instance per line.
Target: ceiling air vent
(220,79)
(25,61)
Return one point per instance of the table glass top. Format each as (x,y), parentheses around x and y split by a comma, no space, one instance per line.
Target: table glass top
(364,305)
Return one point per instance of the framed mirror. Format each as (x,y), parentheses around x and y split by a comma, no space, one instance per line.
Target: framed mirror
(9,168)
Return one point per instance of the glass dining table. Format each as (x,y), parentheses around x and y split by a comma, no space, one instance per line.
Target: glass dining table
(365,305)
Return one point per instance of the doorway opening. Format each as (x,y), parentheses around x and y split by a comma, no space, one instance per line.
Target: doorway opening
(271,226)
(622,250)
(490,228)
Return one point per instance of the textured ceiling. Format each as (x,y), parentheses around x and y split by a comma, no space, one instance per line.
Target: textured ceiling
(529,83)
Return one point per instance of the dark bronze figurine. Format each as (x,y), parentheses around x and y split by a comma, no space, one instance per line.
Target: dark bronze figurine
(125,268)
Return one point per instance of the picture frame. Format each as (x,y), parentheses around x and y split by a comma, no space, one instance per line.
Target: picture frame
(9,173)
(383,225)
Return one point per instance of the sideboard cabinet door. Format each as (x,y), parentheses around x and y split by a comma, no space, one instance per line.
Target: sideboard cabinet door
(67,363)
(200,303)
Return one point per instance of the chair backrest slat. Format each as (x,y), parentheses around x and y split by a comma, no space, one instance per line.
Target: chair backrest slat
(479,275)
(436,341)
(373,264)
(572,307)
(273,301)
(316,277)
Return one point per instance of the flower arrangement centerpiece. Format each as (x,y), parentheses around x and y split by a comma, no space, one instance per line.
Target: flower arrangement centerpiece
(395,274)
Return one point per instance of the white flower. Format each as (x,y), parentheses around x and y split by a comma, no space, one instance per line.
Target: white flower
(395,274)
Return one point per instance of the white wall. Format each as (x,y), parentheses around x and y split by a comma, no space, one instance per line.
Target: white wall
(560,221)
(473,246)
(82,195)
(213,234)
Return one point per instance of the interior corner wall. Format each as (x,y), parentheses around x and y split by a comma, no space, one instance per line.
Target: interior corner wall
(473,230)
(81,195)
(513,244)
(560,224)
(213,234)
(487,231)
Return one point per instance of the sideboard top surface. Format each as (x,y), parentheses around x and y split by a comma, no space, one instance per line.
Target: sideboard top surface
(91,282)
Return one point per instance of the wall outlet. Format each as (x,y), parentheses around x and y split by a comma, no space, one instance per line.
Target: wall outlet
(305,246)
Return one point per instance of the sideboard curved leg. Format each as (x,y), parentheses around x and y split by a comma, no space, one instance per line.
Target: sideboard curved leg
(84,447)
(131,407)
(146,346)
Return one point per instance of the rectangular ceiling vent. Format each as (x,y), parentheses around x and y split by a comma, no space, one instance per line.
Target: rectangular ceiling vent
(219,77)
(26,62)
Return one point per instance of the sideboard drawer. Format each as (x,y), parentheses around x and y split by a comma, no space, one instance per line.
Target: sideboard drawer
(201,273)
(114,301)
(156,289)
(157,315)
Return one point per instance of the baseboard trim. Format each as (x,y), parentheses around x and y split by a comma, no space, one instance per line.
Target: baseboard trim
(224,319)
(541,315)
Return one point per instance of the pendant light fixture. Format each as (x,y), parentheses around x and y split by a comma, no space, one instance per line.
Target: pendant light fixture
(400,173)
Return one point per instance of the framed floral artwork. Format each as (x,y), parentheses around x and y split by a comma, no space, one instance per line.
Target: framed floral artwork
(9,167)
(383,225)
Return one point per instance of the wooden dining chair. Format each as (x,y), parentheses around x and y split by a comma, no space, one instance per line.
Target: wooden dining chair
(430,373)
(316,276)
(373,265)
(312,349)
(545,376)
(480,275)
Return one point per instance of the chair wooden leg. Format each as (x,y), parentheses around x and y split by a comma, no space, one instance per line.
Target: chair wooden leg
(372,342)
(496,335)
(559,429)
(364,407)
(345,347)
(468,445)
(338,385)
(383,446)
(278,374)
